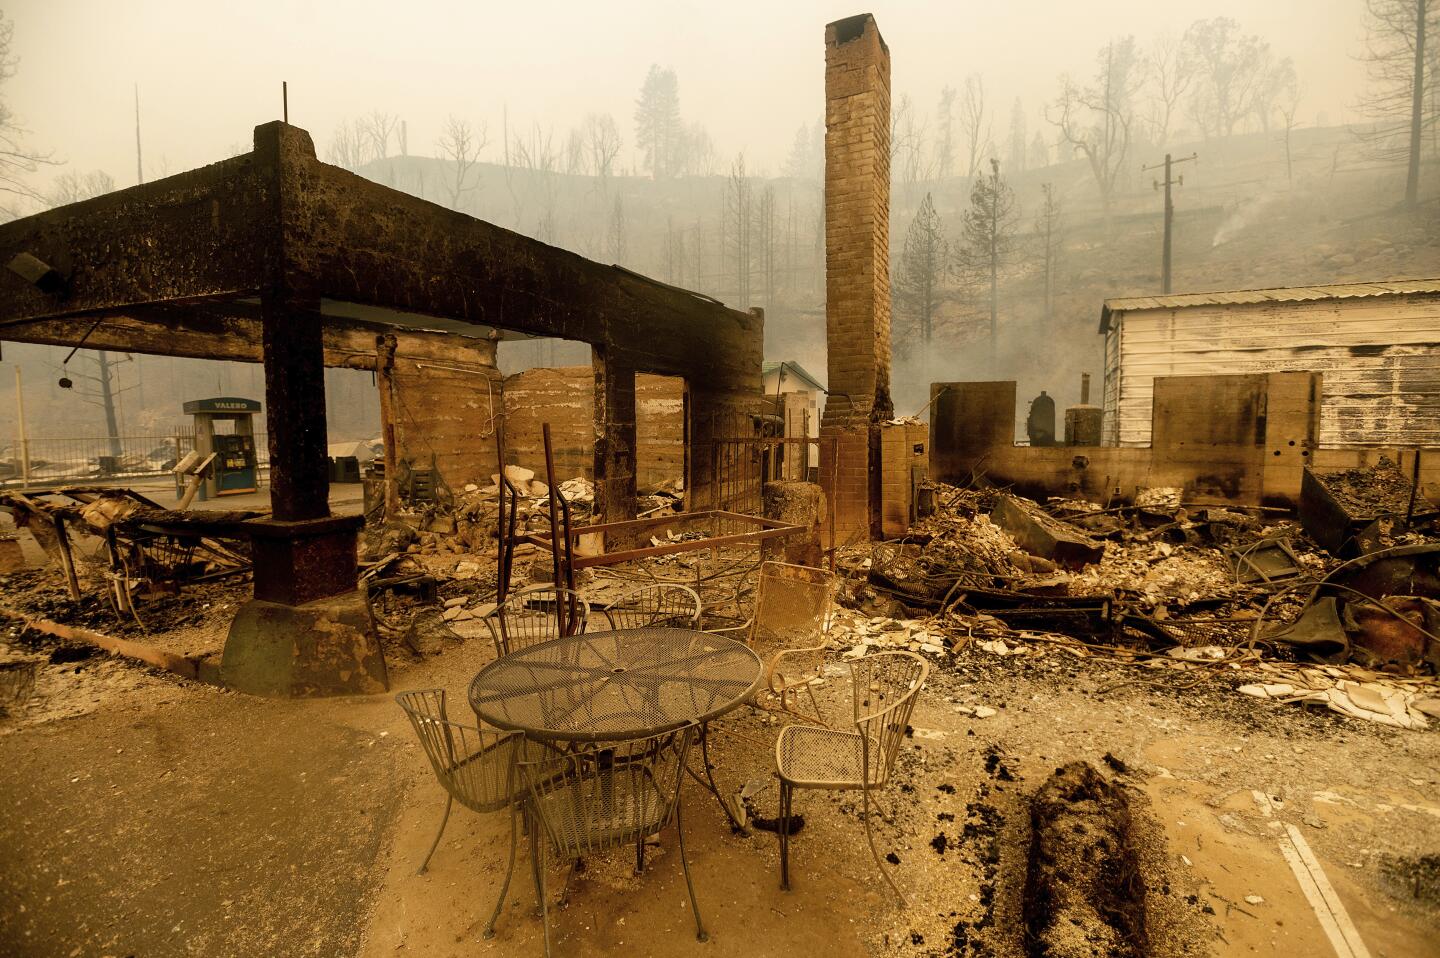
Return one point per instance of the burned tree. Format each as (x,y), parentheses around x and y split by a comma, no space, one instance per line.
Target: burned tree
(17,160)
(378,128)
(765,238)
(1402,65)
(601,140)
(974,131)
(72,187)
(1018,144)
(460,143)
(349,147)
(737,223)
(988,242)
(674,253)
(1288,106)
(945,133)
(1096,119)
(919,282)
(1048,240)
(1171,69)
(616,241)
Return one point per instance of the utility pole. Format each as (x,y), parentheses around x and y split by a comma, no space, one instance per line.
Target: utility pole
(1169,211)
(139,167)
(24,433)
(107,402)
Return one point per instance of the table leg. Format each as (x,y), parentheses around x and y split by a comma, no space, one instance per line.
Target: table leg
(708,782)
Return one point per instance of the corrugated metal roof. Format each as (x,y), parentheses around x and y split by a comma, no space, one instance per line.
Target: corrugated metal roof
(790,365)
(1288,294)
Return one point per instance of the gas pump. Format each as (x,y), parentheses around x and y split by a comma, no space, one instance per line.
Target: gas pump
(234,469)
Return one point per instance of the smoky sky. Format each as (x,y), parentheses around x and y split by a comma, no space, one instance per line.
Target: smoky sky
(750,72)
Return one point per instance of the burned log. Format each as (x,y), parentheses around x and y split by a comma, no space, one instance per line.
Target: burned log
(1084,895)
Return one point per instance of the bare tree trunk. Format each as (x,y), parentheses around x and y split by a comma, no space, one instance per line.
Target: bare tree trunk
(994,275)
(1049,273)
(1412,179)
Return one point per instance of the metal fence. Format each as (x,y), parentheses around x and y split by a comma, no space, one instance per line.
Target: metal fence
(104,460)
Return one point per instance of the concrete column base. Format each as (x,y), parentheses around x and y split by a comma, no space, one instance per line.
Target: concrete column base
(801,504)
(324,647)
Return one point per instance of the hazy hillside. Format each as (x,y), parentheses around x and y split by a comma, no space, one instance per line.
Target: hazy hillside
(1241,222)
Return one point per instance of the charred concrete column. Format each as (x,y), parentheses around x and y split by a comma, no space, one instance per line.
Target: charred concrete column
(614,437)
(857,268)
(308,630)
(294,357)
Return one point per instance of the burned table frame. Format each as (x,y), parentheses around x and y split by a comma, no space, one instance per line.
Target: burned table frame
(760,530)
(154,544)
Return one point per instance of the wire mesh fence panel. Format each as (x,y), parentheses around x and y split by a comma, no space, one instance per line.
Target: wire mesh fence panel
(76,459)
(739,477)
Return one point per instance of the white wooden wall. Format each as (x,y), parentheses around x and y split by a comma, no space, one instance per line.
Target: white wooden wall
(1379,357)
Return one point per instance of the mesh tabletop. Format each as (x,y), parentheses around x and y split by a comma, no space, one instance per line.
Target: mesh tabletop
(616,685)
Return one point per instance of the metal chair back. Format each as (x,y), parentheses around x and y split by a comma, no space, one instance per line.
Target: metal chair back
(885,686)
(532,615)
(792,603)
(668,604)
(476,766)
(609,795)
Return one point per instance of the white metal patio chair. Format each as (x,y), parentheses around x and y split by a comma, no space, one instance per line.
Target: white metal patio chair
(531,615)
(788,629)
(606,796)
(476,767)
(665,603)
(885,686)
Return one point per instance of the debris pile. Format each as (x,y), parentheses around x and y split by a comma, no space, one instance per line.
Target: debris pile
(1354,511)
(1354,692)
(141,548)
(1161,582)
(468,525)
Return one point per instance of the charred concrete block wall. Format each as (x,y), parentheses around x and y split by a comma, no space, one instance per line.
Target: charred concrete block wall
(1244,439)
(857,264)
(447,398)
(903,452)
(564,396)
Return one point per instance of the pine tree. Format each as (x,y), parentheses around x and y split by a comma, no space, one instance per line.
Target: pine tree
(1048,241)
(658,130)
(919,282)
(989,241)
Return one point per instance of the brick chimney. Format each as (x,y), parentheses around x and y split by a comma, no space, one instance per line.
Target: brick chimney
(857,268)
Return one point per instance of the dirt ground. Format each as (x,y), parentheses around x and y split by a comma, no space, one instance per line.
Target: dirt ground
(148,815)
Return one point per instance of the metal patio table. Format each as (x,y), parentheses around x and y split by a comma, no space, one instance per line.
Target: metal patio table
(619,685)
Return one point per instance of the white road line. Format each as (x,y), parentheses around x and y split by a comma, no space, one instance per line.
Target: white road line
(1329,910)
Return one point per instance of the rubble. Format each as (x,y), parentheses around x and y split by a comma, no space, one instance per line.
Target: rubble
(1043,536)
(1365,696)
(1168,586)
(1355,511)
